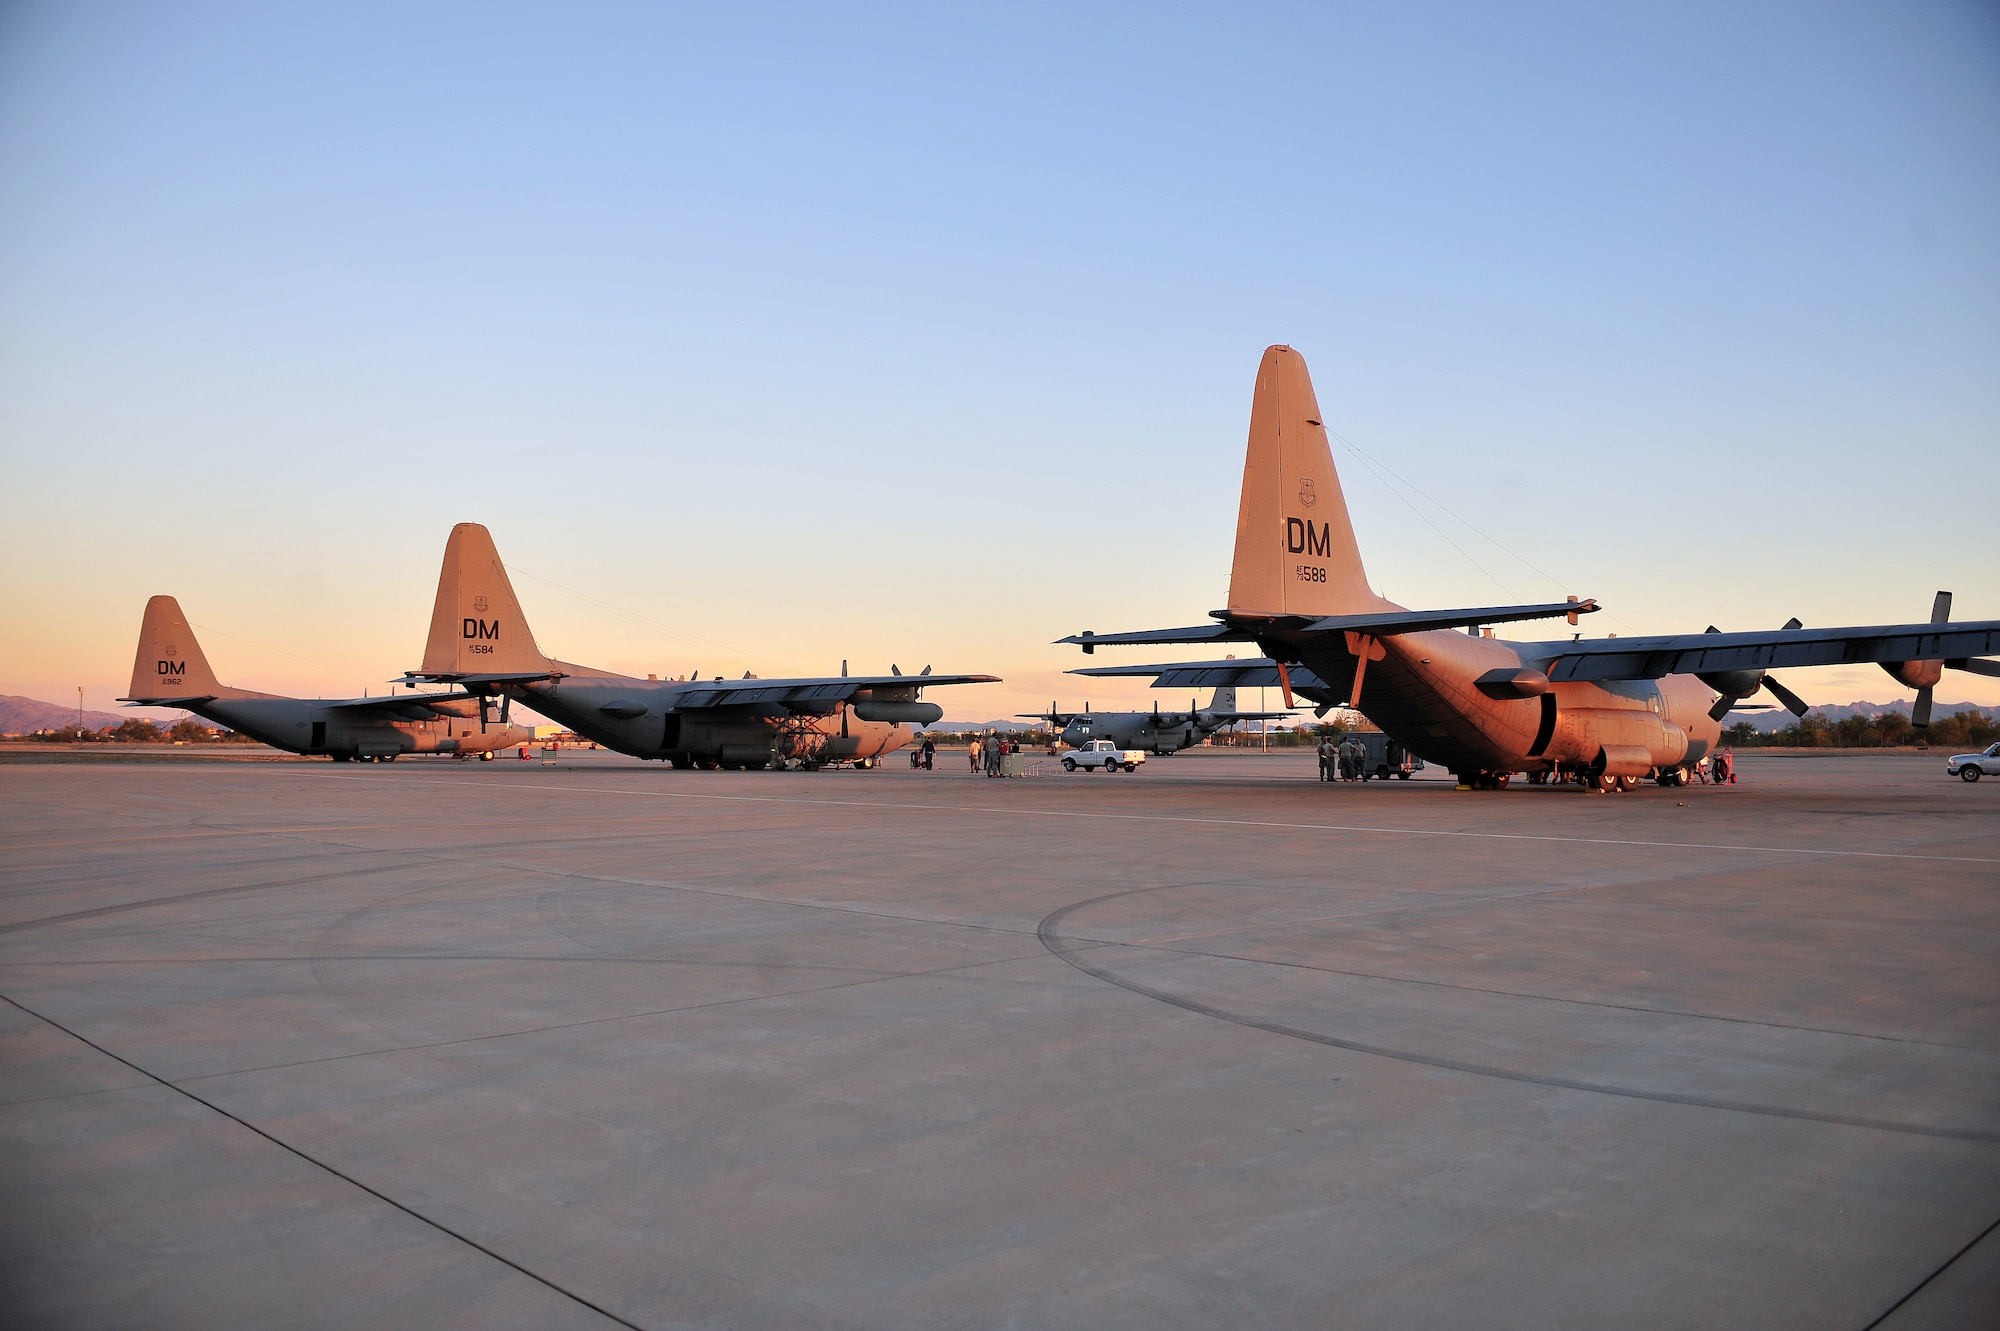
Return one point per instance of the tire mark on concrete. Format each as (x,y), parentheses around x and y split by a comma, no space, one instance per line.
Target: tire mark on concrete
(1076,955)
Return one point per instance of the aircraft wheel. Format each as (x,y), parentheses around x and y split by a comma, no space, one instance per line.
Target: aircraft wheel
(1402,776)
(1628,783)
(1968,773)
(1069,764)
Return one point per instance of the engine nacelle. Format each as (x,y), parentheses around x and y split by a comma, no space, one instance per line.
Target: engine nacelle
(1734,683)
(1916,674)
(913,713)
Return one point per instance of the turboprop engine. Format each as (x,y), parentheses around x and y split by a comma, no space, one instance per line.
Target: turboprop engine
(894,705)
(916,713)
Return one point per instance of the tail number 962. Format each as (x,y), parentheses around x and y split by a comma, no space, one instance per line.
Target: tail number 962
(1310,573)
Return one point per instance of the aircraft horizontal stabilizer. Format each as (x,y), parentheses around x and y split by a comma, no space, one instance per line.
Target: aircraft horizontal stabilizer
(1374,623)
(478,681)
(1421,621)
(1090,642)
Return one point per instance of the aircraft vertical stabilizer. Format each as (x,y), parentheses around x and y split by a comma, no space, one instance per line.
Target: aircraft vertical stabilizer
(1295,548)
(476,625)
(1224,699)
(169,663)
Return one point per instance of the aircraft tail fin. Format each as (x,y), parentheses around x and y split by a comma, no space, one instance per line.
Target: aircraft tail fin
(1224,699)
(476,623)
(1295,547)
(169,664)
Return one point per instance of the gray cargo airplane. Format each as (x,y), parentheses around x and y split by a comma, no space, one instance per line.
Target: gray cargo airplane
(1608,711)
(480,641)
(171,671)
(1156,732)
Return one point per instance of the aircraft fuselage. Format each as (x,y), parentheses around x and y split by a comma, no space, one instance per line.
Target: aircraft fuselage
(1137,730)
(316,726)
(641,717)
(1423,693)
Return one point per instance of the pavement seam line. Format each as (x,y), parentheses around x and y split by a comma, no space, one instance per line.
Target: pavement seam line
(1918,1288)
(349,1179)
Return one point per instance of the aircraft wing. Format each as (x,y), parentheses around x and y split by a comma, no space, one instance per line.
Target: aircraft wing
(842,688)
(1704,653)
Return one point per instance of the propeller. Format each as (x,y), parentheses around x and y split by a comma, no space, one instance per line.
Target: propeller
(1792,701)
(1736,685)
(1920,711)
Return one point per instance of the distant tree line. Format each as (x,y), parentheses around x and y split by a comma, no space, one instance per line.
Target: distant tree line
(1965,730)
(139,731)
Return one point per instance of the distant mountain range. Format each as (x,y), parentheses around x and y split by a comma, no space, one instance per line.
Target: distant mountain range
(1778,718)
(21,716)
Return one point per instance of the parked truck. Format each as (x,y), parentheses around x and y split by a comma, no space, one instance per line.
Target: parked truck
(1102,754)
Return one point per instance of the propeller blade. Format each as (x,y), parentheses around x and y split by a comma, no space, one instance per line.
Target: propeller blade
(1721,708)
(1975,666)
(1790,624)
(1792,701)
(1920,711)
(1941,608)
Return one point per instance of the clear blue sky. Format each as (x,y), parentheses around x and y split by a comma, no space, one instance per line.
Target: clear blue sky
(919,335)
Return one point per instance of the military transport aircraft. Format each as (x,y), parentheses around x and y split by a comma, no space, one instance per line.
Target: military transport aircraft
(1157,732)
(480,641)
(1608,711)
(171,671)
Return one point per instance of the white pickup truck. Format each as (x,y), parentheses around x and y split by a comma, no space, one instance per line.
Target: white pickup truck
(1101,753)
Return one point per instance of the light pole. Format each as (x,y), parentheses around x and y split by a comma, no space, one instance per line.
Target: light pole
(79,714)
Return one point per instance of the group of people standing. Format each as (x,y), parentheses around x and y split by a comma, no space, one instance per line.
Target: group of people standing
(1342,761)
(986,754)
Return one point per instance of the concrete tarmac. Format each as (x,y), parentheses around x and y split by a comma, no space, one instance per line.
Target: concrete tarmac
(437,1044)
